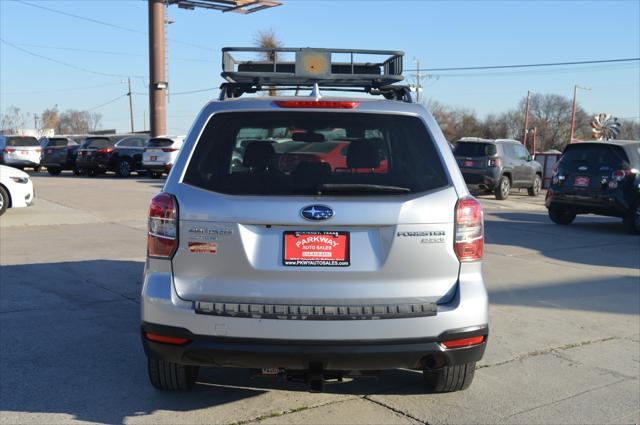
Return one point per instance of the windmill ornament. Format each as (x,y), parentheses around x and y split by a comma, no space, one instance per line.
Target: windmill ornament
(605,127)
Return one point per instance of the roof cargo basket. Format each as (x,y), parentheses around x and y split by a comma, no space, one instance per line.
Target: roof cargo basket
(312,66)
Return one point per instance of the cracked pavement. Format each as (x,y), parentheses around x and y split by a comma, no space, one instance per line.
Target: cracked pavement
(564,344)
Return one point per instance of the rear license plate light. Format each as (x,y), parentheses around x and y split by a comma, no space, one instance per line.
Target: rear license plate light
(316,249)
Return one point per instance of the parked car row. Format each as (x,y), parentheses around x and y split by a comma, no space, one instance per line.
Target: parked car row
(92,155)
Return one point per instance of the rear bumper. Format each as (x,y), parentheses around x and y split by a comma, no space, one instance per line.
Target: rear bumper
(606,203)
(20,162)
(299,355)
(480,177)
(165,168)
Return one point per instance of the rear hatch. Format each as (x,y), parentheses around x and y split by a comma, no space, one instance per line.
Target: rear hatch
(474,155)
(160,151)
(95,148)
(22,149)
(253,232)
(591,171)
(56,150)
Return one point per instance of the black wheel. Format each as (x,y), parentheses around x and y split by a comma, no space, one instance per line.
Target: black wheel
(124,168)
(155,174)
(54,171)
(534,190)
(632,220)
(77,171)
(503,188)
(561,216)
(36,168)
(449,378)
(4,200)
(91,172)
(167,376)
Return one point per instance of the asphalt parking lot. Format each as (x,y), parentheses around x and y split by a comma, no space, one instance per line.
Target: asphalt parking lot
(564,344)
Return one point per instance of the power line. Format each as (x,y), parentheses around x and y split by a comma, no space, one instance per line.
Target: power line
(79,68)
(107,103)
(59,90)
(532,65)
(108,24)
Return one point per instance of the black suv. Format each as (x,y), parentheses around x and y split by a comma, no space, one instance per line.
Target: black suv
(59,153)
(101,154)
(497,165)
(597,178)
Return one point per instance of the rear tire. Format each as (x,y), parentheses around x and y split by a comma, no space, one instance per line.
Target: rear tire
(155,174)
(534,190)
(91,172)
(4,200)
(77,171)
(123,168)
(36,168)
(503,188)
(561,216)
(54,171)
(168,376)
(449,378)
(632,220)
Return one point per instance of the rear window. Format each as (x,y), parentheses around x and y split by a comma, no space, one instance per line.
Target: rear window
(100,143)
(56,142)
(594,155)
(474,149)
(159,143)
(22,141)
(288,153)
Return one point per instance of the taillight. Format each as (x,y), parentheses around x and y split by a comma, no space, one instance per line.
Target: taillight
(328,104)
(463,342)
(169,149)
(495,162)
(165,339)
(620,175)
(39,150)
(9,150)
(162,239)
(105,150)
(469,235)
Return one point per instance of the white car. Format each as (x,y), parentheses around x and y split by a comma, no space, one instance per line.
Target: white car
(20,151)
(16,188)
(160,154)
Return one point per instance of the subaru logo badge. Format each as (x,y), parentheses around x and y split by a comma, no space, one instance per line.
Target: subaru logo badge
(316,212)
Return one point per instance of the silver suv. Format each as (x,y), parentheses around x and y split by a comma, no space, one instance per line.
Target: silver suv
(314,237)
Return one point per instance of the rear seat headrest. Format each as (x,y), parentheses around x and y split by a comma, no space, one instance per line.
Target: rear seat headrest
(363,153)
(258,154)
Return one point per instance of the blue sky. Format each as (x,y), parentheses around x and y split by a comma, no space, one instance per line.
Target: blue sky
(440,34)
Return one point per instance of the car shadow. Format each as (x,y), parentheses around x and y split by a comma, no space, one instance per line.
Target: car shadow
(589,240)
(71,345)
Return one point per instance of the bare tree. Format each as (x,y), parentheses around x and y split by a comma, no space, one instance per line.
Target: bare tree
(95,119)
(50,118)
(629,130)
(14,120)
(268,39)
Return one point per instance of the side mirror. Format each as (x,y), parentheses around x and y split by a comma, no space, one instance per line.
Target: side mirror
(529,158)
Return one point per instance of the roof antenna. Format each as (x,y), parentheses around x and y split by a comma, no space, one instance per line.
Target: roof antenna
(315,92)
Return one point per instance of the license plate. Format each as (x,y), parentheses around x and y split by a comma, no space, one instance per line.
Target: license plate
(582,181)
(154,158)
(468,164)
(316,249)
(24,152)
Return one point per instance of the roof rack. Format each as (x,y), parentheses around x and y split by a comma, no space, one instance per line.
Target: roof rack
(313,67)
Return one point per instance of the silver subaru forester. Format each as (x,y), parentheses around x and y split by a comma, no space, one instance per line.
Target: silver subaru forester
(314,237)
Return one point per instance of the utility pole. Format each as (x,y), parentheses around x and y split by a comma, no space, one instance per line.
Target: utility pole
(573,110)
(35,121)
(157,82)
(417,80)
(526,118)
(130,103)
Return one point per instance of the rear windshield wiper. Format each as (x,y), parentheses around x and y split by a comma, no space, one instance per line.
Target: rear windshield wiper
(351,188)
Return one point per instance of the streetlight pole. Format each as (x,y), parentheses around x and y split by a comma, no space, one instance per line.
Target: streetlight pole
(573,110)
(157,83)
(526,118)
